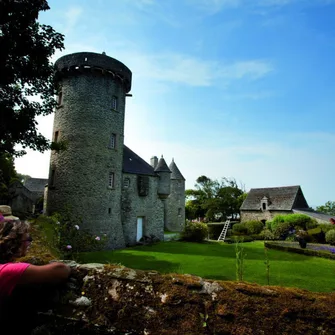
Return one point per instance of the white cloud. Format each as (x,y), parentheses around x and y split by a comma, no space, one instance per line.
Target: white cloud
(72,16)
(191,71)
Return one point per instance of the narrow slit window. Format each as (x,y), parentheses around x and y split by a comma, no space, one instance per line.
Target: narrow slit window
(56,136)
(111,179)
(179,211)
(112,141)
(60,98)
(114,102)
(52,178)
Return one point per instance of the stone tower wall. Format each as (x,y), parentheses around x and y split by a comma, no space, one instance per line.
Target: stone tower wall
(85,119)
(175,203)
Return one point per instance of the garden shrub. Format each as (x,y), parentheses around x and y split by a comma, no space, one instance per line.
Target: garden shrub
(254,227)
(70,238)
(316,235)
(267,234)
(301,221)
(240,229)
(330,237)
(326,227)
(194,232)
(278,219)
(282,230)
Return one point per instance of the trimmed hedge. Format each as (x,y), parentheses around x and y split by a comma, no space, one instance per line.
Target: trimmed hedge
(307,252)
(194,232)
(330,237)
(254,226)
(240,229)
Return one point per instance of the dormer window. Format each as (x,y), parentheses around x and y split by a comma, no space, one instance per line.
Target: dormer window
(264,203)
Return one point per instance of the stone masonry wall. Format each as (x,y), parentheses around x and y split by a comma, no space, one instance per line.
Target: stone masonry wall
(259,215)
(176,206)
(113,299)
(149,207)
(85,120)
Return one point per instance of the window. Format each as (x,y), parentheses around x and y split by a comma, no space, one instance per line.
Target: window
(56,136)
(109,210)
(264,206)
(111,179)
(52,178)
(114,102)
(126,183)
(60,98)
(112,141)
(179,211)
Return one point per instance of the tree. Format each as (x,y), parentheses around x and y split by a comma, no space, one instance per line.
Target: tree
(7,175)
(327,208)
(215,199)
(26,81)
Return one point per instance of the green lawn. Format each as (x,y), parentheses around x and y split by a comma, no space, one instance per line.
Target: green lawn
(217,261)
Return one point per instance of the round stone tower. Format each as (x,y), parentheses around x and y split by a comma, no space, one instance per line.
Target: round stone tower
(86,177)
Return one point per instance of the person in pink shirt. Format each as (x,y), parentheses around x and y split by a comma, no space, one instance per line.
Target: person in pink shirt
(14,243)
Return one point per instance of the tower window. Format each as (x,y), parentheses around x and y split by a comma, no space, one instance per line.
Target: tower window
(126,183)
(111,179)
(112,141)
(52,178)
(60,98)
(114,102)
(179,211)
(56,136)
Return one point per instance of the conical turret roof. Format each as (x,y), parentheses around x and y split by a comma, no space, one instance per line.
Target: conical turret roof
(176,174)
(162,166)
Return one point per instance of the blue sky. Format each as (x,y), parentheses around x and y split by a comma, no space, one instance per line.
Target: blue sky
(228,88)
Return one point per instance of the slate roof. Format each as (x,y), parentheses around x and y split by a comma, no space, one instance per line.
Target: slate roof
(279,198)
(162,166)
(176,174)
(133,163)
(314,214)
(36,184)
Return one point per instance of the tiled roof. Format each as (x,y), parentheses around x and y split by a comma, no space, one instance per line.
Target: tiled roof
(176,174)
(133,163)
(162,166)
(279,198)
(35,184)
(314,214)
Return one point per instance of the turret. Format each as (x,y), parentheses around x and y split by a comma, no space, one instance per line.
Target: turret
(175,213)
(154,161)
(164,182)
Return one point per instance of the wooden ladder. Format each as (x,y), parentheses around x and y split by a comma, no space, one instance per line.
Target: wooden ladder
(224,231)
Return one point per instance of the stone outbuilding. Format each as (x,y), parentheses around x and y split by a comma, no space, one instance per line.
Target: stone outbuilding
(264,203)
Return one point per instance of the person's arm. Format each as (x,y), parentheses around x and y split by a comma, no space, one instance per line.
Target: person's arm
(53,273)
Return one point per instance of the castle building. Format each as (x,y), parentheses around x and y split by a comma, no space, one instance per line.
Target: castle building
(102,181)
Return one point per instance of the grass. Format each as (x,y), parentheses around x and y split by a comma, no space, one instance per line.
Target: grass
(217,261)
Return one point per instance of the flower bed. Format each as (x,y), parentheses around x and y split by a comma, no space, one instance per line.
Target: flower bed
(318,250)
